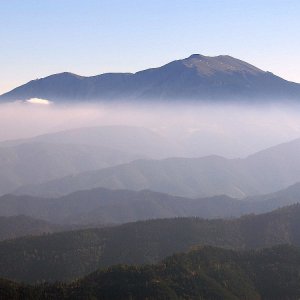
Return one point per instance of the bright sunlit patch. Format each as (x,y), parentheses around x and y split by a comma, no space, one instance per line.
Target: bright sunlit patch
(38,101)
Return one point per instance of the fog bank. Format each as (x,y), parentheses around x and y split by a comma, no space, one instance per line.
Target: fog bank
(227,130)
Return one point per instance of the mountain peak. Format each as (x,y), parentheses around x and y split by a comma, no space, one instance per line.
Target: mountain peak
(209,65)
(195,55)
(66,75)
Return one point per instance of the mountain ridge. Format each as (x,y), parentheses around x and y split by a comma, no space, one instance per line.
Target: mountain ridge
(103,206)
(264,172)
(195,78)
(55,155)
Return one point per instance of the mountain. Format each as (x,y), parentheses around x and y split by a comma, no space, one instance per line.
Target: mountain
(17,226)
(123,139)
(197,78)
(31,163)
(69,255)
(202,273)
(264,172)
(187,177)
(51,156)
(103,206)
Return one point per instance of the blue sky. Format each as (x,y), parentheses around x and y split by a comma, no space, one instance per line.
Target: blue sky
(88,37)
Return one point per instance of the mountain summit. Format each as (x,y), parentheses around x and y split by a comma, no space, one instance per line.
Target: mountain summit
(209,66)
(196,78)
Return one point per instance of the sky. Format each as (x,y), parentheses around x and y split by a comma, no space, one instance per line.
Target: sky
(89,37)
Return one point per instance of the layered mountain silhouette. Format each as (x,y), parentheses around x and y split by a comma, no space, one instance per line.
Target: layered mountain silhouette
(119,157)
(197,78)
(102,206)
(52,156)
(264,172)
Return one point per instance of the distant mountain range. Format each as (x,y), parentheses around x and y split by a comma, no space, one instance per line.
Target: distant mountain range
(52,156)
(264,172)
(134,158)
(99,207)
(196,78)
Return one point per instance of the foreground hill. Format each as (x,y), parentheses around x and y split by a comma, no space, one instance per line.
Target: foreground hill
(203,273)
(103,206)
(263,172)
(69,255)
(197,77)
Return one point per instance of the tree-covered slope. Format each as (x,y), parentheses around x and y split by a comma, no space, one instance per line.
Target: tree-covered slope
(202,273)
(16,226)
(69,255)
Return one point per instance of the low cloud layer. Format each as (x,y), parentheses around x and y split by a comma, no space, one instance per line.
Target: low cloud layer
(225,130)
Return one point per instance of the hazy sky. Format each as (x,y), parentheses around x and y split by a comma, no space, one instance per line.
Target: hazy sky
(88,37)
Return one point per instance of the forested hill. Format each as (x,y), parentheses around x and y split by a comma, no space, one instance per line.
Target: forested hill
(203,273)
(69,255)
(16,226)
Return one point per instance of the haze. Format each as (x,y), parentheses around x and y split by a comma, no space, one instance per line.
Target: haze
(222,129)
